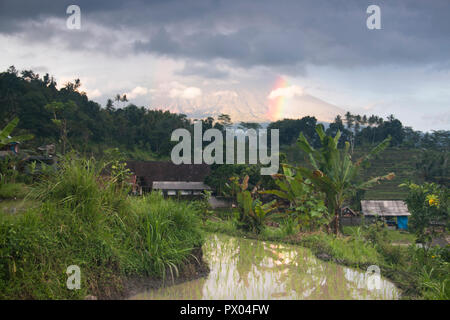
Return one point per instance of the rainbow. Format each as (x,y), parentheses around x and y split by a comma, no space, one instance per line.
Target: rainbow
(277,105)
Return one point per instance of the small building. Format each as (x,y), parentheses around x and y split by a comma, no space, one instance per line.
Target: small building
(348,212)
(349,217)
(183,188)
(148,172)
(388,210)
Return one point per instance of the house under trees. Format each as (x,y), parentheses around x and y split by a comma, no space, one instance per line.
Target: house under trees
(171,179)
(392,211)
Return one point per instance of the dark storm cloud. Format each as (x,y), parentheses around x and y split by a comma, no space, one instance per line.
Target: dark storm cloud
(262,33)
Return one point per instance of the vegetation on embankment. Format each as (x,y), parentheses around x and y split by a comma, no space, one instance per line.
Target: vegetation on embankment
(419,273)
(87,219)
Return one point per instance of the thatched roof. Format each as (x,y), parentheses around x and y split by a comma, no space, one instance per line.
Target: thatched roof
(179,185)
(384,208)
(150,171)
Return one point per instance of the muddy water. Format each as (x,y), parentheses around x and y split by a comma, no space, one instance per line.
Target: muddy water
(249,269)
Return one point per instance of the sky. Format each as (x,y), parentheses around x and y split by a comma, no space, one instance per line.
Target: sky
(259,60)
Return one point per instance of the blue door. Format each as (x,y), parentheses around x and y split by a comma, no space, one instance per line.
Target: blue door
(402,222)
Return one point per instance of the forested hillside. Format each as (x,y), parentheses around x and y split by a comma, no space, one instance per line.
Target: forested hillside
(41,107)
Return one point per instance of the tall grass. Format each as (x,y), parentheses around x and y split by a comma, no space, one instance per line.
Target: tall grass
(86,219)
(166,231)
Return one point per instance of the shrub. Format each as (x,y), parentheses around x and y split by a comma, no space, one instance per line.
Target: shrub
(203,206)
(431,267)
(289,226)
(428,203)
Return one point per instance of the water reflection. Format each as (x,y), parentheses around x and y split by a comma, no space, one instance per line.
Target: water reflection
(248,269)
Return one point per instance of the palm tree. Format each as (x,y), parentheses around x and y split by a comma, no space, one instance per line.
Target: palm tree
(357,119)
(372,120)
(364,120)
(380,121)
(109,105)
(224,120)
(349,120)
(121,98)
(391,118)
(118,98)
(61,113)
(333,171)
(124,98)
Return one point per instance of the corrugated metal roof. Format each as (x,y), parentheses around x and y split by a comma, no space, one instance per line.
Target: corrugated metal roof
(179,185)
(384,208)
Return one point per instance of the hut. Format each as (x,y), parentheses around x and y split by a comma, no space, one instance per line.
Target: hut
(391,211)
(349,217)
(189,177)
(183,188)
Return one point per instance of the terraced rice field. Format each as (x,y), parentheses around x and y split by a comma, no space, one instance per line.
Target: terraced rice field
(400,161)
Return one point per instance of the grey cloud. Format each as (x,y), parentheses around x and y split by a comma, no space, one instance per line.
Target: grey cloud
(204,70)
(305,32)
(161,43)
(288,35)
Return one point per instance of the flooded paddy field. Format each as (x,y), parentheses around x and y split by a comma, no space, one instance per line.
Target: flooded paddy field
(251,269)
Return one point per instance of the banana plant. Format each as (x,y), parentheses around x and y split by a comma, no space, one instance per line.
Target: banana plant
(292,186)
(305,205)
(260,212)
(252,213)
(5,137)
(334,173)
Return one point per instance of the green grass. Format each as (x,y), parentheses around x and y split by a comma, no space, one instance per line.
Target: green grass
(396,236)
(86,220)
(222,226)
(13,190)
(350,251)
(17,206)
(393,236)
